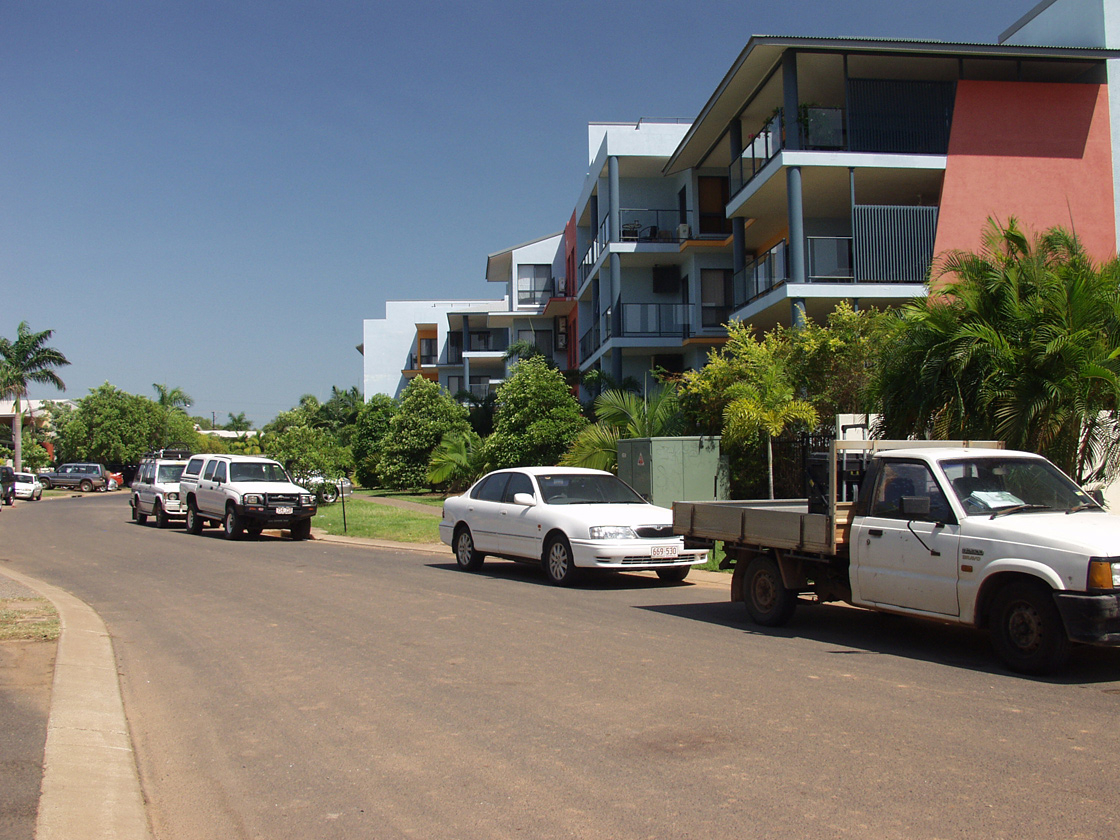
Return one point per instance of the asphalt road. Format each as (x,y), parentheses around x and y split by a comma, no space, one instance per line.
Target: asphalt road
(301,690)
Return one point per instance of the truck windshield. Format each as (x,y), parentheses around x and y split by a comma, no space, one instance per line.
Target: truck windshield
(257,471)
(169,473)
(575,489)
(993,484)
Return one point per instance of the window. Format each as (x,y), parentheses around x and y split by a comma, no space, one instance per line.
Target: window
(455,348)
(715,296)
(899,479)
(428,352)
(533,284)
(220,472)
(492,488)
(542,339)
(518,483)
(209,473)
(713,205)
(454,385)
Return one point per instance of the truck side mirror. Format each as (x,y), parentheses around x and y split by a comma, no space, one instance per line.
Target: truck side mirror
(914,507)
(1097,496)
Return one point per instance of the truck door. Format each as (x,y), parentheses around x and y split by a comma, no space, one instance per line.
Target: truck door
(905,559)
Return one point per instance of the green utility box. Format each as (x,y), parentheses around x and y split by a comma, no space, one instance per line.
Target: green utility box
(674,469)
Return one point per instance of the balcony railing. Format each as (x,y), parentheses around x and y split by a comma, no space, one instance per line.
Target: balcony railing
(589,342)
(654,319)
(830,259)
(650,225)
(818,129)
(488,343)
(416,362)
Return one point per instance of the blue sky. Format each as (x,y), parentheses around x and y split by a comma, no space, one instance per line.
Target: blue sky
(214,195)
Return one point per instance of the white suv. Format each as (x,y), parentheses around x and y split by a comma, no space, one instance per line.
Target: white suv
(155,488)
(244,493)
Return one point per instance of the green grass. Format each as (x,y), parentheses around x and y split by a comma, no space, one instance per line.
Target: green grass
(378,522)
(714,558)
(431,499)
(28,619)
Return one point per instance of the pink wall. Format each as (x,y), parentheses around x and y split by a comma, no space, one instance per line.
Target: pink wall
(1039,152)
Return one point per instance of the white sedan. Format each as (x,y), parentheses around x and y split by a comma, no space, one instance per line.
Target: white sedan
(566,519)
(27,486)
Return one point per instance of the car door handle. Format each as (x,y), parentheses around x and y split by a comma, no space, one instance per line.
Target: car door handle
(875,532)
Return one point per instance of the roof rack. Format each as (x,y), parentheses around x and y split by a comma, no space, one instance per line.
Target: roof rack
(176,451)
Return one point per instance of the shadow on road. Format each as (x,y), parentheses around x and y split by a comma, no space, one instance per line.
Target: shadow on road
(590,579)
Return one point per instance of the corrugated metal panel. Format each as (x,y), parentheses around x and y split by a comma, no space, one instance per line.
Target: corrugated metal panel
(893,244)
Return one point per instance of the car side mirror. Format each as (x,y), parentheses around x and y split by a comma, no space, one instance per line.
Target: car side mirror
(914,507)
(524,499)
(1097,496)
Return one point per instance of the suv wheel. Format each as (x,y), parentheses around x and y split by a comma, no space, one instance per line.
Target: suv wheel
(231,525)
(159,515)
(137,516)
(86,485)
(194,521)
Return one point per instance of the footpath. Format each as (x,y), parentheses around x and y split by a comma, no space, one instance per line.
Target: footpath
(90,787)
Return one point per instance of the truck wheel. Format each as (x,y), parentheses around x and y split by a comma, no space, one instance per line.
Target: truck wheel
(768,601)
(231,524)
(140,518)
(673,575)
(1027,630)
(194,521)
(558,562)
(467,556)
(86,485)
(160,515)
(301,530)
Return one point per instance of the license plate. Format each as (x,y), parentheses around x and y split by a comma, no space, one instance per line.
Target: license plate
(662,552)
(284,511)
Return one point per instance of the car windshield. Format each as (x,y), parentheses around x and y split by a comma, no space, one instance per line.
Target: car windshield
(25,478)
(257,471)
(169,473)
(576,489)
(995,485)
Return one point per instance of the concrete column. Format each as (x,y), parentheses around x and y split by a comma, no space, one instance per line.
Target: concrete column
(738,224)
(791,104)
(616,222)
(797,268)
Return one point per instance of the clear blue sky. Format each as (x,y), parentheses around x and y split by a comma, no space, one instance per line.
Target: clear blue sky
(214,195)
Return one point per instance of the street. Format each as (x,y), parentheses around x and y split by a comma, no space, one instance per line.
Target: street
(278,689)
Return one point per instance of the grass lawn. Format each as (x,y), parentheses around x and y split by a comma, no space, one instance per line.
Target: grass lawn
(28,619)
(379,522)
(431,499)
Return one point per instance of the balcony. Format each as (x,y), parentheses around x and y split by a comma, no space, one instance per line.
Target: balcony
(820,129)
(654,319)
(649,225)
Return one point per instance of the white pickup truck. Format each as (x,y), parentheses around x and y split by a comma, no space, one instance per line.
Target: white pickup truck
(244,493)
(964,533)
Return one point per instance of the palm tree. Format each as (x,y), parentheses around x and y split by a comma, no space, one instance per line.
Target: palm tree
(172,398)
(238,422)
(23,361)
(767,406)
(624,414)
(457,460)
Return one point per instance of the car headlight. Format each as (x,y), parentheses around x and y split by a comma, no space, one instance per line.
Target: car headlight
(172,497)
(306,500)
(612,532)
(1104,573)
(252,499)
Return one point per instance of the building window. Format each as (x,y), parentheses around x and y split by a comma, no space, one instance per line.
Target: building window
(713,205)
(542,339)
(455,348)
(454,385)
(715,296)
(429,355)
(533,284)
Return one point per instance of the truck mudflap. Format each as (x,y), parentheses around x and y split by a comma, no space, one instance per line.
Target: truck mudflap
(1091,619)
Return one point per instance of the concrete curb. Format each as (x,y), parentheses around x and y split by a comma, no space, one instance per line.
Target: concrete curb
(91,787)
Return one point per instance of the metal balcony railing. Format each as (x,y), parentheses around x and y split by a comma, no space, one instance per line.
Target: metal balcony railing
(654,319)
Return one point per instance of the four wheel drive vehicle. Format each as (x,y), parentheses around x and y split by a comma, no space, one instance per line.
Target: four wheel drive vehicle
(962,533)
(565,519)
(84,477)
(244,493)
(155,488)
(7,485)
(27,486)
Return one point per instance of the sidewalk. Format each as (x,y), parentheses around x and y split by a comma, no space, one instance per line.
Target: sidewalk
(86,727)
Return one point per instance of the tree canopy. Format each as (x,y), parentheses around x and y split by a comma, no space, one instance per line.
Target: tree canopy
(28,359)
(426,414)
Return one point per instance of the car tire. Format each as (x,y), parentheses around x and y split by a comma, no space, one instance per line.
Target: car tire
(301,530)
(330,494)
(1027,630)
(674,575)
(467,556)
(231,524)
(86,485)
(45,483)
(194,521)
(160,515)
(768,601)
(558,562)
(138,517)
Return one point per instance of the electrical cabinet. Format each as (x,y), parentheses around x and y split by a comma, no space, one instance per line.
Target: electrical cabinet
(674,469)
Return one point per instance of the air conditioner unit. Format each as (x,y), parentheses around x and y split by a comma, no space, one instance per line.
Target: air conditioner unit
(684,231)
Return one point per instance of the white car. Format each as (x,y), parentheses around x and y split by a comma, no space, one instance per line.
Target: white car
(566,519)
(27,486)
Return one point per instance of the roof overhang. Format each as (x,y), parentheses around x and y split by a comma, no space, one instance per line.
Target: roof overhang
(499,265)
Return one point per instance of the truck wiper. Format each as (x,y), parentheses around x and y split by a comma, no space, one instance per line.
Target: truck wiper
(1083,506)
(1019,509)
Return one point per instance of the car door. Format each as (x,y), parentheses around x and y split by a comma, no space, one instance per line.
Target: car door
(143,487)
(209,490)
(906,560)
(483,512)
(519,525)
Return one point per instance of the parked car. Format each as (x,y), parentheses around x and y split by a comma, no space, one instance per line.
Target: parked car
(326,490)
(566,519)
(27,486)
(7,485)
(84,477)
(116,481)
(155,488)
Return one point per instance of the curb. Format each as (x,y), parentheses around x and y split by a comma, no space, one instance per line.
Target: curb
(91,787)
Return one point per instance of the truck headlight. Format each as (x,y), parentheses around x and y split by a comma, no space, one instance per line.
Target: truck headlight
(172,497)
(612,532)
(307,500)
(1104,573)
(252,499)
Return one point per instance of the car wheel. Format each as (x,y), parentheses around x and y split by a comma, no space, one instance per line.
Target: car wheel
(467,556)
(330,494)
(45,483)
(86,485)
(301,530)
(673,575)
(231,524)
(768,601)
(194,521)
(160,515)
(1027,629)
(138,517)
(558,562)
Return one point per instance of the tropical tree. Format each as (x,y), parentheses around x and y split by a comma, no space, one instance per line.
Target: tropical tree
(1023,346)
(238,422)
(624,414)
(537,417)
(308,452)
(426,415)
(459,459)
(370,428)
(171,398)
(27,360)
